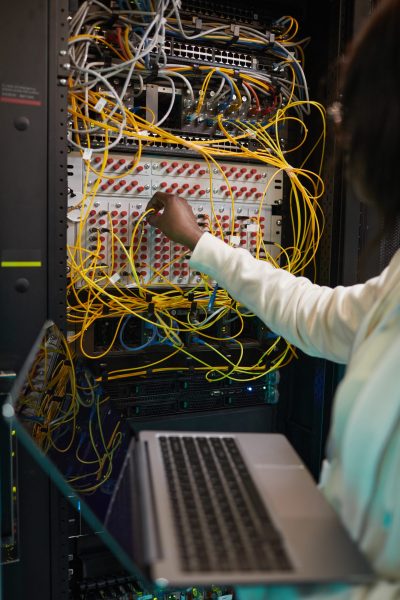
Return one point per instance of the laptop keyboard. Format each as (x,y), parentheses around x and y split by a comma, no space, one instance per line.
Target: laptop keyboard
(221,522)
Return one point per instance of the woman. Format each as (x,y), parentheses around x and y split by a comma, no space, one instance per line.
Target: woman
(357,325)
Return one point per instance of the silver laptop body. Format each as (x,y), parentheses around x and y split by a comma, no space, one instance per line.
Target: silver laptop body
(316,545)
(192,508)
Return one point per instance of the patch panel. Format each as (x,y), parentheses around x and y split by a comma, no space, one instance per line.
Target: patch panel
(119,240)
(193,179)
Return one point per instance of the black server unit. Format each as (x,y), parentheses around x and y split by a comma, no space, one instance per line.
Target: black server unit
(33,110)
(42,168)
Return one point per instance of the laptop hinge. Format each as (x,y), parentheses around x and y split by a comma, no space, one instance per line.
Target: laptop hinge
(150,527)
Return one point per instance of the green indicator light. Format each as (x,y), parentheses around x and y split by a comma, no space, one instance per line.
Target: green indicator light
(21,263)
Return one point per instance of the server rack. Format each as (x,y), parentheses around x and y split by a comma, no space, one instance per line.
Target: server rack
(32,292)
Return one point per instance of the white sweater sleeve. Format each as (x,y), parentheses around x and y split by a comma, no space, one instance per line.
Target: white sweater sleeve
(321,321)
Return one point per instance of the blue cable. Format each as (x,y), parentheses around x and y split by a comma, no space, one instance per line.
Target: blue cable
(149,342)
(212,298)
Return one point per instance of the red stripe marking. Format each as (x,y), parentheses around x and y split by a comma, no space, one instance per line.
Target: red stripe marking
(25,101)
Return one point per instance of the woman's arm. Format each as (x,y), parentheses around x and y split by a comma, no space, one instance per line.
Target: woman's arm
(321,321)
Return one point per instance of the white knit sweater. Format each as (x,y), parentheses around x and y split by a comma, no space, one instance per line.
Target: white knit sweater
(360,326)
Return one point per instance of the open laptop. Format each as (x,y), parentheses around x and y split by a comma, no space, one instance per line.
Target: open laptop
(180,508)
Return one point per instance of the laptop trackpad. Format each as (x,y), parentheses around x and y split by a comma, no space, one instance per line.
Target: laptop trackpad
(291,491)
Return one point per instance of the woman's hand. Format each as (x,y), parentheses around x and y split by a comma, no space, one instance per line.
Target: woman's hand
(176,220)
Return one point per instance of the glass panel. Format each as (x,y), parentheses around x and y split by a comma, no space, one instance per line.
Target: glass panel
(9,542)
(67,423)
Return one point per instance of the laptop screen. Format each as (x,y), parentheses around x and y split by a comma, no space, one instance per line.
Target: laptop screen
(67,422)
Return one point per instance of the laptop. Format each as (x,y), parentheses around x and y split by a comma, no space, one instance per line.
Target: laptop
(178,508)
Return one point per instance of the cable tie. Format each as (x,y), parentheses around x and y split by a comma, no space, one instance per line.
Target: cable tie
(153,73)
(270,36)
(100,104)
(114,278)
(251,133)
(235,29)
(87,154)
(150,309)
(198,24)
